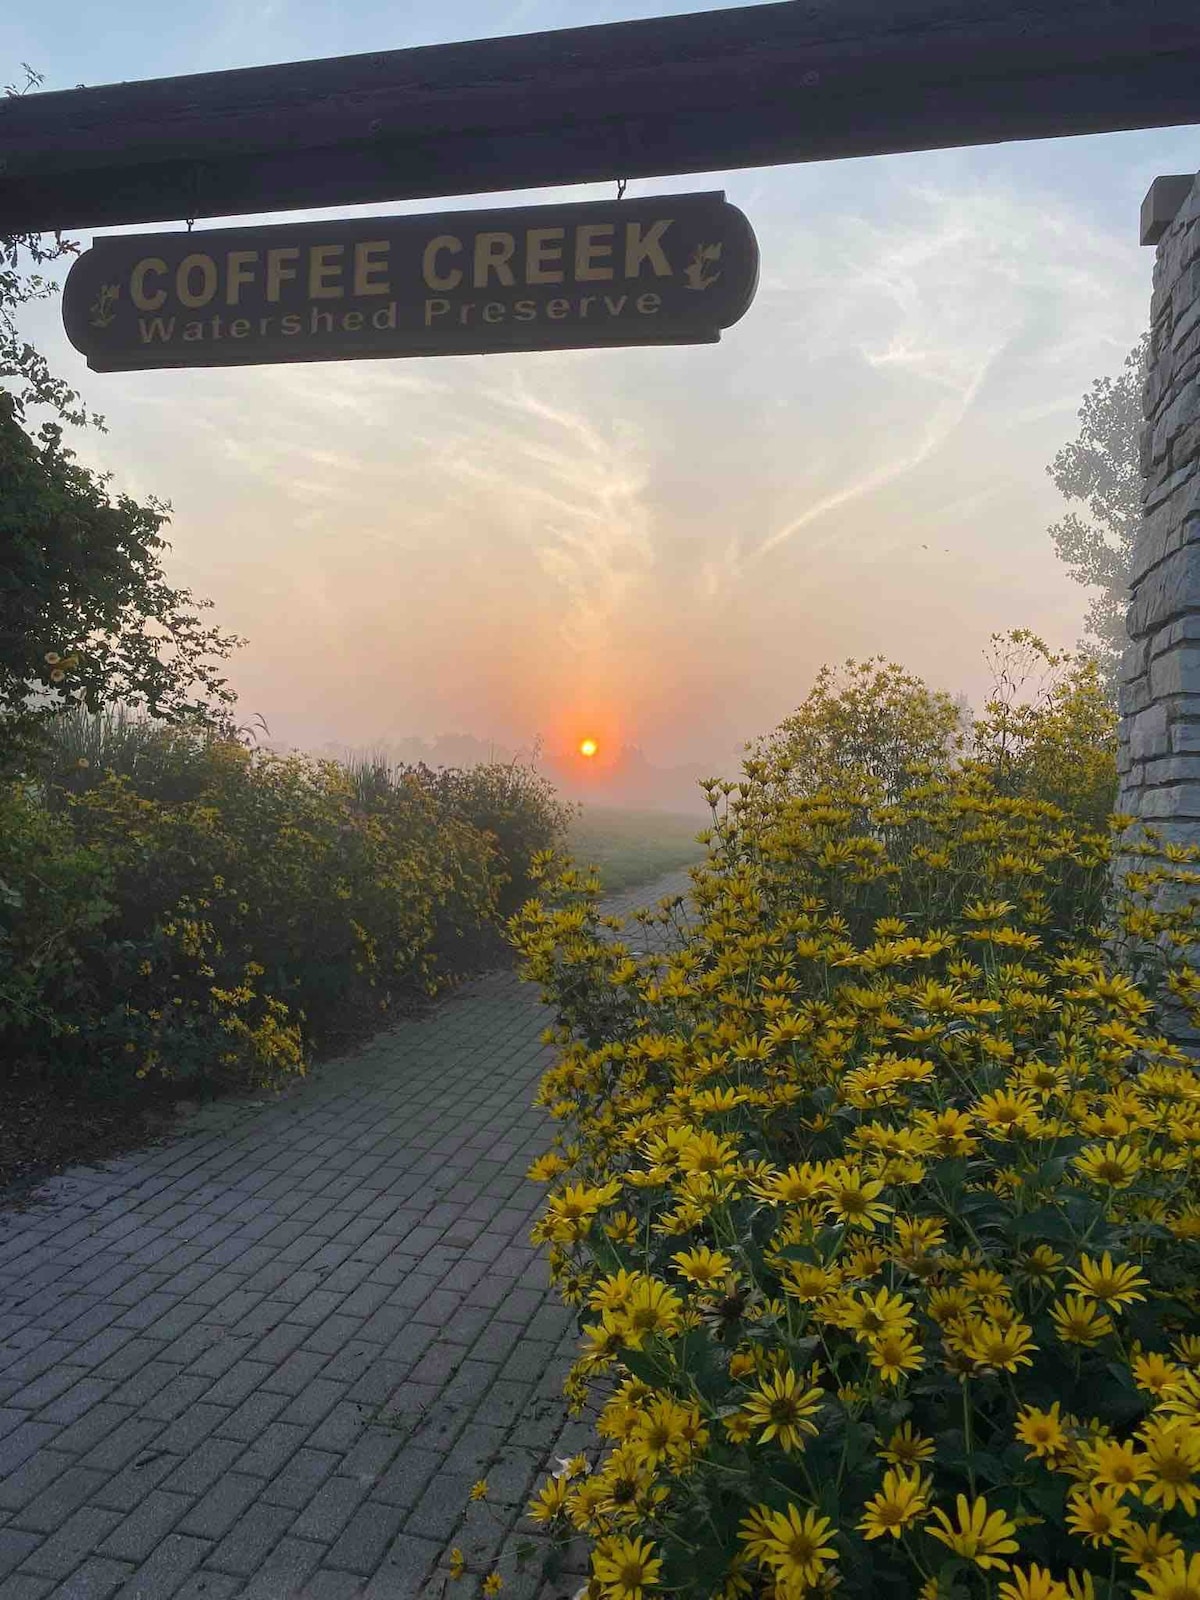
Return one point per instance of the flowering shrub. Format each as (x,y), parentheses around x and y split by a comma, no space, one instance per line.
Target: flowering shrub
(216,913)
(509,801)
(878,1197)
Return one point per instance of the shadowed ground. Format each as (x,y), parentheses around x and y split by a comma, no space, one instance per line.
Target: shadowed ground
(270,1356)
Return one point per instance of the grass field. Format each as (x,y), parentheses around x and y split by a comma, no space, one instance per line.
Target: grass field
(632,847)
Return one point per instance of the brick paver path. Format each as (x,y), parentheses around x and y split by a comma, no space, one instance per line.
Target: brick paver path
(269,1357)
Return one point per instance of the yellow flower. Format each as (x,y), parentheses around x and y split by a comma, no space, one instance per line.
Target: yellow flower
(652,1308)
(1155,1374)
(1042,1431)
(702,1265)
(613,1293)
(1182,1397)
(626,1567)
(1042,1264)
(1175,1578)
(984,1280)
(1097,1515)
(1112,1285)
(894,1354)
(783,1408)
(623,1229)
(903,1500)
(806,1280)
(493,1583)
(871,1314)
(992,1345)
(458,1563)
(795,1545)
(479,1489)
(906,1447)
(1034,1584)
(551,1499)
(1145,1546)
(1079,1321)
(1115,1166)
(854,1199)
(546,1167)
(1006,1111)
(982,1536)
(1173,1454)
(1116,1465)
(662,1432)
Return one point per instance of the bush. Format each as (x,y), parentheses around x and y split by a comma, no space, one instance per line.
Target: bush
(510,802)
(215,913)
(878,1196)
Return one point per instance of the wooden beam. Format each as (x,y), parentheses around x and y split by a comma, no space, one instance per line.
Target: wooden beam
(797,81)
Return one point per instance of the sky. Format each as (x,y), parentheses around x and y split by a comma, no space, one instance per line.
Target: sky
(655,547)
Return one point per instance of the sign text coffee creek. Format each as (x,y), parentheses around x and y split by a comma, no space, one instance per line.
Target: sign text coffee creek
(672,269)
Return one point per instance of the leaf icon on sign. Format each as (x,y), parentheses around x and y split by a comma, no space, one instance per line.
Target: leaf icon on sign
(102,312)
(695,273)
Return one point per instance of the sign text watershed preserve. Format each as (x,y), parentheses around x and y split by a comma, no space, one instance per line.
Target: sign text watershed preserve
(673,269)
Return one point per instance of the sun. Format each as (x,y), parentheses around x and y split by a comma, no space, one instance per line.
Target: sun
(588,747)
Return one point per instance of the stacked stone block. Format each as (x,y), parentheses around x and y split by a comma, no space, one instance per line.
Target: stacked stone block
(1159,760)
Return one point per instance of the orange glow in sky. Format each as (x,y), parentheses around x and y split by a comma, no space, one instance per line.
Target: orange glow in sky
(588,747)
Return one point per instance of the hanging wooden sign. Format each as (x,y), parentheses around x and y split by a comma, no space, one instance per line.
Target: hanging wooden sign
(673,269)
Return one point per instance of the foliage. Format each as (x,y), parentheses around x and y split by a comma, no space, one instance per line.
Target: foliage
(509,801)
(214,912)
(86,613)
(1100,471)
(1049,727)
(24,370)
(88,616)
(870,718)
(878,1195)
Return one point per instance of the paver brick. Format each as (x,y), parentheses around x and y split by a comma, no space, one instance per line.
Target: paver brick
(141,1531)
(214,1515)
(15,1545)
(300,1479)
(68,1491)
(34,1475)
(208,1585)
(239,1382)
(123,1444)
(252,1416)
(341,1427)
(329,1510)
(167,1569)
(203,1466)
(404,1569)
(325,1584)
(96,1579)
(21,1586)
(284,1571)
(59,1556)
(406,1479)
(251,1539)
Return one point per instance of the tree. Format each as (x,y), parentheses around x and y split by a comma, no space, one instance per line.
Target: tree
(86,614)
(1099,470)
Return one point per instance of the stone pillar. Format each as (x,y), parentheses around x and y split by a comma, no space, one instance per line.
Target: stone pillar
(1159,758)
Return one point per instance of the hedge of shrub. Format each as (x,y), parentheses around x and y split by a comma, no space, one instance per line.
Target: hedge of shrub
(178,907)
(878,1196)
